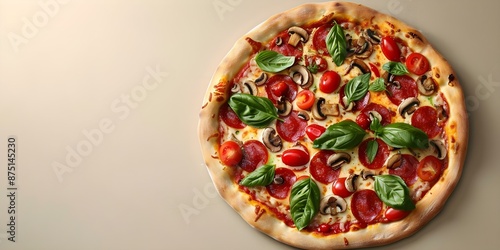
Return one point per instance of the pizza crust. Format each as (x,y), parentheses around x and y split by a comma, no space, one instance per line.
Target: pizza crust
(373,235)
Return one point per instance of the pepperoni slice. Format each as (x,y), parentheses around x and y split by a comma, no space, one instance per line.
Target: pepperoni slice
(364,120)
(283,180)
(284,48)
(254,155)
(292,128)
(359,104)
(366,206)
(229,117)
(426,119)
(320,171)
(407,88)
(380,158)
(273,83)
(320,38)
(408,169)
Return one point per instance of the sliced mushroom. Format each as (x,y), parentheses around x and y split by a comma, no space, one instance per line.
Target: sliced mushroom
(322,109)
(408,106)
(351,183)
(236,88)
(374,114)
(278,41)
(372,36)
(394,161)
(336,160)
(284,107)
(297,34)
(426,85)
(366,173)
(347,107)
(440,148)
(332,205)
(388,78)
(249,87)
(272,140)
(442,114)
(303,115)
(364,49)
(301,75)
(278,180)
(358,63)
(261,79)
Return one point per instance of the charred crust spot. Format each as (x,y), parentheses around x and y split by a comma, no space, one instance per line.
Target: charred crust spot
(451,78)
(337,4)
(204,105)
(414,35)
(220,99)
(346,242)
(390,24)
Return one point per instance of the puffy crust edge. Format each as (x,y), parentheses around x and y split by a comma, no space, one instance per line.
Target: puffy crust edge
(373,235)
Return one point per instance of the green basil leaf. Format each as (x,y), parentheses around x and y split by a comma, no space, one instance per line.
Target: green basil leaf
(340,136)
(403,135)
(336,44)
(357,87)
(378,85)
(260,177)
(272,61)
(395,68)
(375,125)
(304,202)
(392,190)
(253,110)
(371,150)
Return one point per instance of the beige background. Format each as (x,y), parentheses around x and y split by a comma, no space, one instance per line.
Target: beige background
(103,97)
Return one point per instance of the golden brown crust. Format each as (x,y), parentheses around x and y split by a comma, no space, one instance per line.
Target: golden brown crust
(377,234)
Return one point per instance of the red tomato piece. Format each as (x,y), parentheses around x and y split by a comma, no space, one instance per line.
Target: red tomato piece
(329,82)
(314,131)
(393,214)
(316,62)
(390,48)
(279,89)
(281,85)
(339,188)
(429,168)
(320,170)
(230,153)
(374,69)
(254,155)
(305,99)
(295,157)
(283,180)
(417,63)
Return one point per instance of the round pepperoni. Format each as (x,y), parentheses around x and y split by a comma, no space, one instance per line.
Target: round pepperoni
(364,120)
(366,206)
(408,169)
(380,158)
(359,104)
(426,119)
(320,171)
(276,82)
(230,118)
(254,155)
(406,88)
(284,48)
(319,39)
(292,127)
(283,180)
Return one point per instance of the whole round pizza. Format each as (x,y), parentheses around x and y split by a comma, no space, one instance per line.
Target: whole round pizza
(332,125)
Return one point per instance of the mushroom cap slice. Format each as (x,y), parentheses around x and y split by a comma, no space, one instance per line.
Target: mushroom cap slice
(249,87)
(297,34)
(394,161)
(301,75)
(261,79)
(358,63)
(272,140)
(284,107)
(351,183)
(372,36)
(440,148)
(336,160)
(332,205)
(408,106)
(366,173)
(426,85)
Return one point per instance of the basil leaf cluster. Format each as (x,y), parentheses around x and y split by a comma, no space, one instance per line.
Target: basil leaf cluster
(253,110)
(401,135)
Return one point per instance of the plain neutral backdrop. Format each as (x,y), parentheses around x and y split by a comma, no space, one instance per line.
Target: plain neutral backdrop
(103,100)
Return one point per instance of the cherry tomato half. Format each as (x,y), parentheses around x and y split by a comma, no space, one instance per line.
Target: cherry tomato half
(394,214)
(329,82)
(390,48)
(295,157)
(429,168)
(417,63)
(316,62)
(305,99)
(230,153)
(313,131)
(279,89)
(339,188)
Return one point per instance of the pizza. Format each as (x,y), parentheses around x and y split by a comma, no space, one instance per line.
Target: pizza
(332,125)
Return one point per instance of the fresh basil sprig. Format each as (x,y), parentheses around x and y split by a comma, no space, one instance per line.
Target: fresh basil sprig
(260,177)
(395,68)
(378,85)
(392,190)
(340,136)
(253,110)
(357,87)
(272,61)
(336,44)
(371,150)
(304,202)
